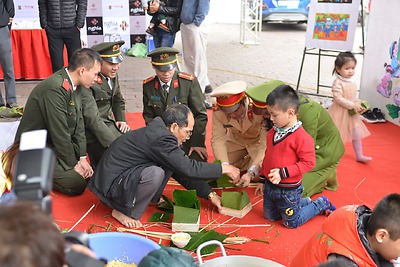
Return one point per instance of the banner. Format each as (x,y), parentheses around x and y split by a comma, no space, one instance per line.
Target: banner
(106,20)
(26,14)
(332,25)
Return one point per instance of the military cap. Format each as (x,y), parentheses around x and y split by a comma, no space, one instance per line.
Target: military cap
(110,51)
(260,92)
(164,58)
(168,256)
(229,95)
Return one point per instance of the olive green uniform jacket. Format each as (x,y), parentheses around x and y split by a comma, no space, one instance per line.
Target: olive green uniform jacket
(102,107)
(328,147)
(242,142)
(184,89)
(53,105)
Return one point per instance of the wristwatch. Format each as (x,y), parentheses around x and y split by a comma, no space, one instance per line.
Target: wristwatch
(211,195)
(252,175)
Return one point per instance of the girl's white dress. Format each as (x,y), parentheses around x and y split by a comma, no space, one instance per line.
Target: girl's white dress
(344,98)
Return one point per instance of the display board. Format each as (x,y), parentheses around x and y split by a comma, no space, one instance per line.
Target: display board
(380,80)
(332,24)
(106,20)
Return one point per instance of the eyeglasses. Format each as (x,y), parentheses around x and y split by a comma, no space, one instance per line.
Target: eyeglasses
(188,132)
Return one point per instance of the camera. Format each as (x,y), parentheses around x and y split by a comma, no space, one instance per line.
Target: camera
(33,177)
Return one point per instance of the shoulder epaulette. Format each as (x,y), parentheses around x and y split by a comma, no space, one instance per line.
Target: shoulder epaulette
(149,79)
(186,76)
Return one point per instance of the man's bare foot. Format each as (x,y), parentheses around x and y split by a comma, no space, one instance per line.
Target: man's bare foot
(125,220)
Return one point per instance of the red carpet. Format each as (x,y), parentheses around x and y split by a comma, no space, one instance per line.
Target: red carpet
(358,184)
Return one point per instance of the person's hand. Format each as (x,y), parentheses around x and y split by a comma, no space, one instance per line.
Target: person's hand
(232,172)
(244,180)
(358,108)
(78,168)
(83,250)
(216,200)
(122,126)
(153,7)
(87,169)
(10,21)
(202,151)
(259,190)
(274,176)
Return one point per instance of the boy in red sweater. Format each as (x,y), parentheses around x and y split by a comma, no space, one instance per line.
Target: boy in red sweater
(290,153)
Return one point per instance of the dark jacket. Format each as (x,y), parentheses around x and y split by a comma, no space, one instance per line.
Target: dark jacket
(172,10)
(62,13)
(118,172)
(7,11)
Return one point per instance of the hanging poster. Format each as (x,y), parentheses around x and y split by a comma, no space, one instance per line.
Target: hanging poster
(26,14)
(332,24)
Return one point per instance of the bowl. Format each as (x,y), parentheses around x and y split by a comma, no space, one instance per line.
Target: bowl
(124,247)
(180,239)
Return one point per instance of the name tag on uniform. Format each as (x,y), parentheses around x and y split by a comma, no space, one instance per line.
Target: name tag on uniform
(156,98)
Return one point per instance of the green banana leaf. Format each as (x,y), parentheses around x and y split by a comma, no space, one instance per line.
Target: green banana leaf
(221,182)
(235,200)
(186,198)
(168,206)
(185,215)
(159,217)
(199,238)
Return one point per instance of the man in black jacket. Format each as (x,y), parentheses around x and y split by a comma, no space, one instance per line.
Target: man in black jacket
(62,20)
(137,166)
(172,10)
(7,13)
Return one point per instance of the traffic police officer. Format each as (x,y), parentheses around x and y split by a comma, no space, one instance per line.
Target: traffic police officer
(103,104)
(238,135)
(169,86)
(316,121)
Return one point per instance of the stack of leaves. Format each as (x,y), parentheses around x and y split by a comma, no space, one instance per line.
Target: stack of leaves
(185,207)
(235,200)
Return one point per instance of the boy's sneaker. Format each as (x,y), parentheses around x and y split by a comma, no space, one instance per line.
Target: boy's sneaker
(151,31)
(379,115)
(329,207)
(163,27)
(368,116)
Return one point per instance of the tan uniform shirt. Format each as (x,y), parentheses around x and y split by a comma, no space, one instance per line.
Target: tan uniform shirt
(241,143)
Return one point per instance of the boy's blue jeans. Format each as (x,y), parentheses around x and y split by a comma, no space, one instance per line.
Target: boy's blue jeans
(288,205)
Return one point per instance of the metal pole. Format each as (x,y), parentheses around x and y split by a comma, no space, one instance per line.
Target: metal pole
(301,68)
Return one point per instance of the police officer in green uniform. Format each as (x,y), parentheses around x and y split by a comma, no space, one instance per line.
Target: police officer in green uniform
(169,86)
(317,122)
(103,104)
(55,105)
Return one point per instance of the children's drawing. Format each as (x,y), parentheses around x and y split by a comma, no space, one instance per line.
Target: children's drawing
(331,26)
(391,71)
